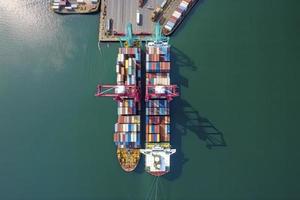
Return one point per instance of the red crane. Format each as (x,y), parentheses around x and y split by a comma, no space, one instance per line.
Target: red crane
(161,91)
(119,92)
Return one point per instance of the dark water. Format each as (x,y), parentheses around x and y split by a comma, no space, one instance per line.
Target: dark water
(235,125)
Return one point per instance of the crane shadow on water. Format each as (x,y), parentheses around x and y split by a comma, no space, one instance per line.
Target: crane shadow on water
(185,118)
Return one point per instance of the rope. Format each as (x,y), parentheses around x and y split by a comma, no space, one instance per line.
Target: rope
(107,90)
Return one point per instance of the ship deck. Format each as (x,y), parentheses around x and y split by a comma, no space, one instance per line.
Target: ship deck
(86,7)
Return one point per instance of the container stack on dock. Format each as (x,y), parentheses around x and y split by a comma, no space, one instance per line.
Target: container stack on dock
(127,128)
(177,15)
(158,149)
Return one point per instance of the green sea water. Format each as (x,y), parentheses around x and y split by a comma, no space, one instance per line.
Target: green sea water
(235,125)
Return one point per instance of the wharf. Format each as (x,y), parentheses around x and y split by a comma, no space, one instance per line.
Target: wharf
(121,12)
(117,13)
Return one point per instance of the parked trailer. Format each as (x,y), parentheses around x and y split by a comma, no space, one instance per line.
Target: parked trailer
(138,18)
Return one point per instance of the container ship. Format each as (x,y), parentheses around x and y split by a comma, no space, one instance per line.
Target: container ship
(74,6)
(158,95)
(126,92)
(177,16)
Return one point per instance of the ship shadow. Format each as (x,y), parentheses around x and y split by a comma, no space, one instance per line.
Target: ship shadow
(186,119)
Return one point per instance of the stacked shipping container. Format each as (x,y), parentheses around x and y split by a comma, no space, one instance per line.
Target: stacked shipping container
(127,128)
(157,110)
(177,14)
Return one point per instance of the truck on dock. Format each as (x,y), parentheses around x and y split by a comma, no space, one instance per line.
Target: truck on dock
(109,24)
(138,17)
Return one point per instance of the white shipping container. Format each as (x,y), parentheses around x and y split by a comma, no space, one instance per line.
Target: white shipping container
(162,5)
(176,14)
(74,5)
(133,82)
(55,7)
(183,4)
(121,57)
(130,61)
(133,137)
(138,18)
(120,78)
(186,2)
(168,27)
(121,111)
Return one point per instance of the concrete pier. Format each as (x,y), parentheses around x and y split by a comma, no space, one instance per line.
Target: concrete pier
(117,13)
(121,12)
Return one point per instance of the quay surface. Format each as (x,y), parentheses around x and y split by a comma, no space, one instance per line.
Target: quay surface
(122,12)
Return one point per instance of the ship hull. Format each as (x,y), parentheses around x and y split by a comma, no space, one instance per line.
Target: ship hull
(168,33)
(160,173)
(128,158)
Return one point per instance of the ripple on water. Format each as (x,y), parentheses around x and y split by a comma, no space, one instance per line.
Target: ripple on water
(29,26)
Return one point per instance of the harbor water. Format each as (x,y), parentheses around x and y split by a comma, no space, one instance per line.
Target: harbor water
(235,124)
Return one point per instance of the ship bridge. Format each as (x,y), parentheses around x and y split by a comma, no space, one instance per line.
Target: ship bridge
(157,159)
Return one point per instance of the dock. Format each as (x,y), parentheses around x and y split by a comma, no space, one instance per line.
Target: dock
(141,14)
(115,14)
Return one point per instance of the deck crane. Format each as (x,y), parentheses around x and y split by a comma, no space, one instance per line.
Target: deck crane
(160,91)
(119,92)
(129,38)
(157,36)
